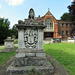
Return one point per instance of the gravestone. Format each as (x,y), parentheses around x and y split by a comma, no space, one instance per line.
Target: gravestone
(8,43)
(30,57)
(57,40)
(70,40)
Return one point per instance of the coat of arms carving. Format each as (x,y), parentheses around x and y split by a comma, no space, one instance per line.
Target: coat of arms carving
(30,38)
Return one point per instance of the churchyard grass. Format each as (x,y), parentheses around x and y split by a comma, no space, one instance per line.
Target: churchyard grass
(64,53)
(5,56)
(1,48)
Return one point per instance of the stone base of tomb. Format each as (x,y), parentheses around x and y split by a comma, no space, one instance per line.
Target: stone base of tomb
(7,50)
(30,62)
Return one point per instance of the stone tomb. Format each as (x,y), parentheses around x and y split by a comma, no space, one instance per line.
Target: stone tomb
(30,57)
(9,43)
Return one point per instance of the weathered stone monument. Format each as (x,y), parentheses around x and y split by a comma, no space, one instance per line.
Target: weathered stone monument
(8,43)
(30,57)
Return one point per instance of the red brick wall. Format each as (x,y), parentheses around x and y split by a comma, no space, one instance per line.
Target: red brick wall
(60,29)
(49,15)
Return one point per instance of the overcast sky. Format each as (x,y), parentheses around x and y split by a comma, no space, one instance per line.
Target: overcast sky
(16,10)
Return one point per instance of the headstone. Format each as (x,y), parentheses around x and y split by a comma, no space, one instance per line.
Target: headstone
(8,43)
(30,56)
(71,40)
(57,40)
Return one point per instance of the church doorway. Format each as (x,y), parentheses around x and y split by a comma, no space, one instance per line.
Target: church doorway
(48,35)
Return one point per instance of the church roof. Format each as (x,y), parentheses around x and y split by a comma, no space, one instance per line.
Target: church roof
(49,14)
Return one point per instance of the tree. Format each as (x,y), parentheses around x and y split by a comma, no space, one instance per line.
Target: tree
(72,15)
(66,17)
(4,29)
(72,11)
(14,31)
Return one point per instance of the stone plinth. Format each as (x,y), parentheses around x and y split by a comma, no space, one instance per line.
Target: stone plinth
(8,43)
(71,40)
(26,70)
(30,54)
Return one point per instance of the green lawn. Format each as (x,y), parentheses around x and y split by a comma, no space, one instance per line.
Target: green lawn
(1,48)
(63,53)
(5,56)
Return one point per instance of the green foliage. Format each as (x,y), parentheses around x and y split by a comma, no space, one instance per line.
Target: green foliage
(72,15)
(14,32)
(4,29)
(63,53)
(65,17)
(16,41)
(5,56)
(72,12)
(38,73)
(33,71)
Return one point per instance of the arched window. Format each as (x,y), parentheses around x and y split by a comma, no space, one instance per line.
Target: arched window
(49,24)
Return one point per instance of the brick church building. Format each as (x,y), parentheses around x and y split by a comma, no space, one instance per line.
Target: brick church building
(55,28)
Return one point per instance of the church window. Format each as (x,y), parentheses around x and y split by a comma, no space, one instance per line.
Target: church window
(62,33)
(66,25)
(66,33)
(71,25)
(49,24)
(62,24)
